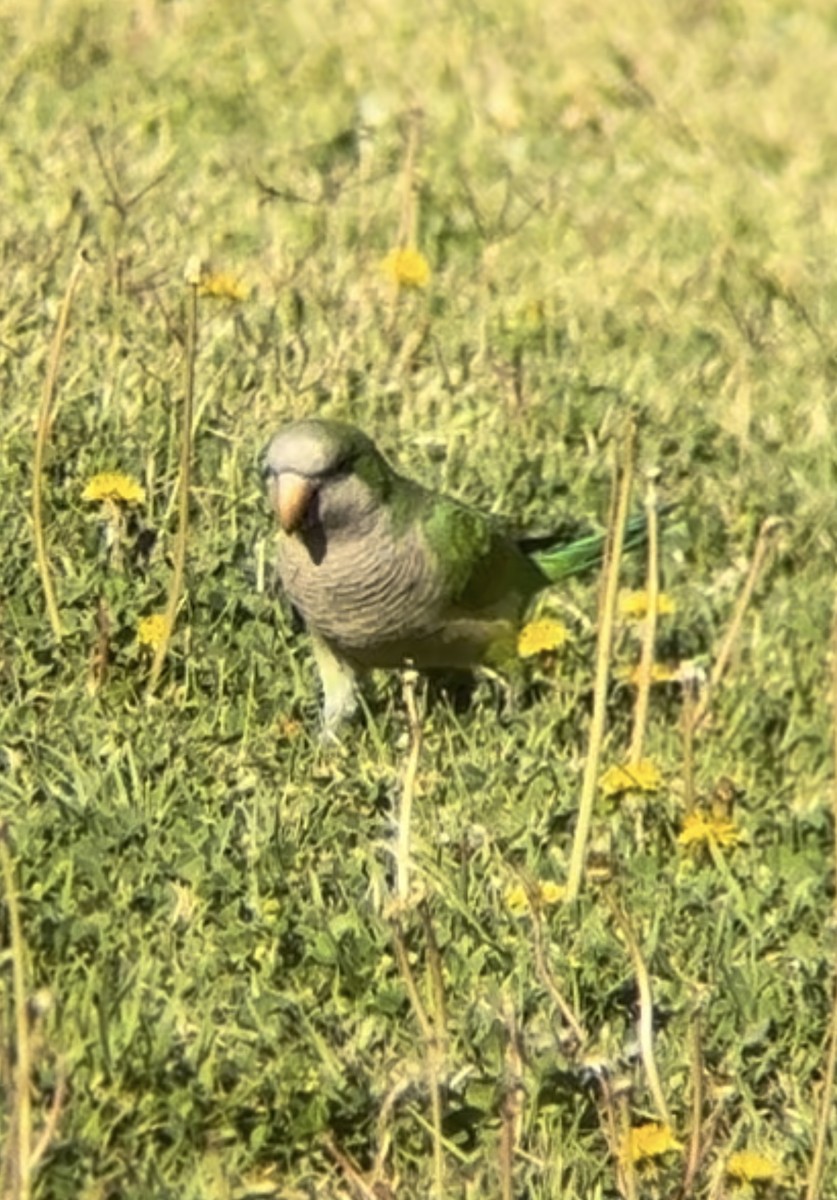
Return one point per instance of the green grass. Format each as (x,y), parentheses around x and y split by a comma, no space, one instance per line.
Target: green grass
(625,208)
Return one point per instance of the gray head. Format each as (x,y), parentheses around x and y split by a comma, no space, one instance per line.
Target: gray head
(324,473)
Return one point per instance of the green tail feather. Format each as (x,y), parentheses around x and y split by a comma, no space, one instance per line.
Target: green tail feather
(562,560)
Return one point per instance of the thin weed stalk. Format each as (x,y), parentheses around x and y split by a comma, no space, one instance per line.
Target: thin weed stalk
(432,1024)
(408,227)
(688,727)
(603,649)
(45,415)
(645,1029)
(437,999)
(511,1107)
(625,1162)
(646,661)
(184,485)
(817,1168)
(431,1042)
(17,1165)
(760,555)
(548,979)
(350,1170)
(696,1071)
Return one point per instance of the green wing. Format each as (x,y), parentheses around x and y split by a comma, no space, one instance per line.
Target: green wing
(565,558)
(480,567)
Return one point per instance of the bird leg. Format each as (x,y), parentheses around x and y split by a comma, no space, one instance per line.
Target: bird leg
(339,687)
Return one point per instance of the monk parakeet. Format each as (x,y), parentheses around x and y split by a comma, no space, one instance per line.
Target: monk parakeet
(386,572)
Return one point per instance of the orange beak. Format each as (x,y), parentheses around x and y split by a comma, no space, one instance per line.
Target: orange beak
(291,494)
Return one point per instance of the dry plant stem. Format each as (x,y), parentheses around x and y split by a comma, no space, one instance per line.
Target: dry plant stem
(645,1031)
(437,999)
(511,1108)
(349,1169)
(408,228)
(818,1161)
(768,529)
(688,723)
(548,979)
(41,435)
(402,859)
(626,1162)
(646,661)
(100,657)
(20,1158)
(431,1046)
(603,647)
(51,1124)
(814,1186)
(607,1117)
(693,1159)
(181,539)
(408,224)
(403,960)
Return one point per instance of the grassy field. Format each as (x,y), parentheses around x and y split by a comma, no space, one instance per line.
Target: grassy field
(624,209)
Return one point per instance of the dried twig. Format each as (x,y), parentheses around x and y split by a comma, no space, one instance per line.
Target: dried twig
(431,1042)
(625,1160)
(760,554)
(184,484)
(815,1174)
(511,1107)
(548,979)
(603,647)
(408,228)
(693,1157)
(646,662)
(433,1023)
(645,1031)
(41,435)
(18,1165)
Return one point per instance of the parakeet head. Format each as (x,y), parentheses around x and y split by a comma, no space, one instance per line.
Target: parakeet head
(324,474)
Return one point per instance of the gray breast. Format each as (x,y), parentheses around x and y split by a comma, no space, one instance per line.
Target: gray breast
(362,592)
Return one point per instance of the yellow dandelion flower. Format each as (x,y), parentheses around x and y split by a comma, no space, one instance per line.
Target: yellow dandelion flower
(643,776)
(634,605)
(660,673)
(407,268)
(648,1141)
(552,893)
(220,285)
(538,637)
(700,828)
(112,486)
(519,897)
(749,1167)
(151,630)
